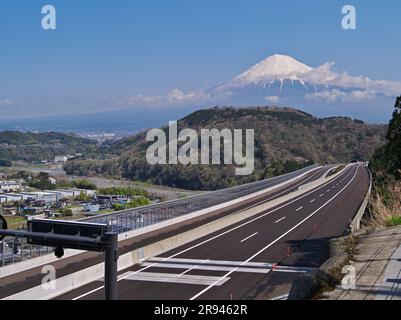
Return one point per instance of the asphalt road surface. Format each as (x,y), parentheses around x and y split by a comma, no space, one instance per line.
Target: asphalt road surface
(256,258)
(13,284)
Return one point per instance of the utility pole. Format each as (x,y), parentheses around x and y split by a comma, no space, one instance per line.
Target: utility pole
(111,258)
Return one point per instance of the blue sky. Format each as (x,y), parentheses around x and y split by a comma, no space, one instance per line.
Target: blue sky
(104,51)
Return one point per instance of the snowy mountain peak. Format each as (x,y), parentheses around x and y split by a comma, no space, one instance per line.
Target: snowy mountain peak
(277,65)
(275,68)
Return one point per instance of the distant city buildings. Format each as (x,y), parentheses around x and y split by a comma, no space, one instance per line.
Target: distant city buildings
(10,186)
(21,200)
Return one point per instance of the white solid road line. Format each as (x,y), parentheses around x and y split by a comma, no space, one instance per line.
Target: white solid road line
(223,233)
(279,238)
(300,208)
(247,238)
(280,220)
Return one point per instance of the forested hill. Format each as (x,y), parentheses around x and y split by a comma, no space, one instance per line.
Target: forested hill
(285,139)
(32,147)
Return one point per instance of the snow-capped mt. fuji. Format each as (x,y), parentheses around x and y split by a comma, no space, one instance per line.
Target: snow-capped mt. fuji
(274,68)
(281,77)
(281,80)
(277,76)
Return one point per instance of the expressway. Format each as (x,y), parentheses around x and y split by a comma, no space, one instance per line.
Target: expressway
(256,258)
(22,281)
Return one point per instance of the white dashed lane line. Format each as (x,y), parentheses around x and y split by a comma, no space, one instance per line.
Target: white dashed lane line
(280,220)
(247,238)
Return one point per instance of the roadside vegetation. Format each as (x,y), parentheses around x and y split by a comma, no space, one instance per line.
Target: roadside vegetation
(15,222)
(138,202)
(124,191)
(385,202)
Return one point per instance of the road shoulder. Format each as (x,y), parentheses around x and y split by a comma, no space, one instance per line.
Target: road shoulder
(377,265)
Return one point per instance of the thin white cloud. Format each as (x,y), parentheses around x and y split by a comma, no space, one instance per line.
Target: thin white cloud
(336,95)
(6,103)
(272,99)
(142,99)
(174,97)
(179,96)
(324,75)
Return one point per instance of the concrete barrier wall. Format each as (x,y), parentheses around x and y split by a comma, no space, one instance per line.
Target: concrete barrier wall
(34,262)
(356,222)
(88,275)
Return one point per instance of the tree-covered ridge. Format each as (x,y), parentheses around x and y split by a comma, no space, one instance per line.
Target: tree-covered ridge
(30,138)
(32,147)
(285,139)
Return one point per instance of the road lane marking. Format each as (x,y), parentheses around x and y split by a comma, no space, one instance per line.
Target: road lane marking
(219,268)
(172,278)
(246,268)
(346,172)
(282,236)
(213,262)
(322,195)
(312,201)
(280,220)
(247,238)
(181,262)
(192,268)
(300,208)
(283,297)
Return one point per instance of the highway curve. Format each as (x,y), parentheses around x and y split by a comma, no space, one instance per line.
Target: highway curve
(19,282)
(263,253)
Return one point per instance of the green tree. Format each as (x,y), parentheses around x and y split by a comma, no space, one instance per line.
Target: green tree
(387,159)
(84,184)
(83,197)
(393,137)
(41,181)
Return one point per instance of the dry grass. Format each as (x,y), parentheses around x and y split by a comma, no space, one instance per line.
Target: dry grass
(385,206)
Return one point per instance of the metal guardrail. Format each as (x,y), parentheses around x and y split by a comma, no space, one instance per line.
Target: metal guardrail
(132,219)
(14,250)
